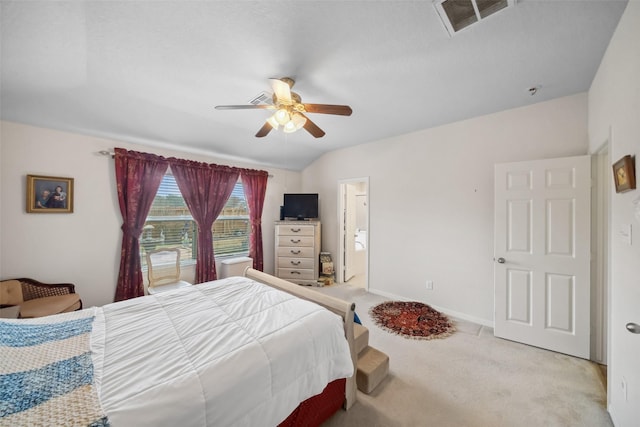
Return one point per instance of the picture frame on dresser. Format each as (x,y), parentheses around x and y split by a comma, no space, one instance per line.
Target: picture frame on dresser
(49,194)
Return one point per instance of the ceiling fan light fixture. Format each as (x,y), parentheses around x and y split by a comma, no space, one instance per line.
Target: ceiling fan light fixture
(273,122)
(290,127)
(282,116)
(298,120)
(288,110)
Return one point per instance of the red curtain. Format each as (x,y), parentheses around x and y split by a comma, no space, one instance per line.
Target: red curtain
(254,183)
(205,188)
(138,176)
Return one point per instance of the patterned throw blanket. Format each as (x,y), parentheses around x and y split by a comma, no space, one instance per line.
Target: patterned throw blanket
(46,375)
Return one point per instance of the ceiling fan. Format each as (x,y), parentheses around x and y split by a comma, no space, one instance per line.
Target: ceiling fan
(290,112)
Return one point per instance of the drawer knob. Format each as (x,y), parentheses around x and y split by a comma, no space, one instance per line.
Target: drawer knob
(295,272)
(296,230)
(295,241)
(294,252)
(295,262)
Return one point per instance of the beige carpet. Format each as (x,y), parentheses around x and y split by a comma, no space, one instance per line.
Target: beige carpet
(472,379)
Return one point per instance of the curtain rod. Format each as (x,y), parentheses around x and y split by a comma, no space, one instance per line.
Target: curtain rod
(113,154)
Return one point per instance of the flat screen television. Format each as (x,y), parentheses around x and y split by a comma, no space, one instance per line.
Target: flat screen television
(300,206)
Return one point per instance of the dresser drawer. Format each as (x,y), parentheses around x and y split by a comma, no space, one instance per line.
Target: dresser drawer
(295,263)
(295,230)
(296,274)
(295,252)
(305,241)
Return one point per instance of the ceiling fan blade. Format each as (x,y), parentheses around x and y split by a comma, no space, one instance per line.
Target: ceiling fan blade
(264,130)
(282,90)
(341,110)
(245,107)
(312,128)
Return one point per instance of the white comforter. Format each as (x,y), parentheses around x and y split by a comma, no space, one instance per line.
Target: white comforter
(228,353)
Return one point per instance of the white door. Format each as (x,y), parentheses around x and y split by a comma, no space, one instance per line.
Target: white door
(542,253)
(349,231)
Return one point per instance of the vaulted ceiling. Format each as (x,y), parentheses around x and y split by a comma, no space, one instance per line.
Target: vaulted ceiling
(151,72)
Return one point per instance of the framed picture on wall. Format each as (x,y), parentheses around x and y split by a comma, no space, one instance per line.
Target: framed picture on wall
(49,194)
(624,174)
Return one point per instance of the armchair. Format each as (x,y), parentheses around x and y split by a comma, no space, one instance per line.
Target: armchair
(37,299)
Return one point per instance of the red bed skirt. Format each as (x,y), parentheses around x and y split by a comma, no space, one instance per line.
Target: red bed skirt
(319,408)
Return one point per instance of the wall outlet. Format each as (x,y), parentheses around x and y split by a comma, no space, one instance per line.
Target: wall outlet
(429,285)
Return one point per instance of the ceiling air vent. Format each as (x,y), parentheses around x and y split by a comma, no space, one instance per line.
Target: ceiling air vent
(262,98)
(459,14)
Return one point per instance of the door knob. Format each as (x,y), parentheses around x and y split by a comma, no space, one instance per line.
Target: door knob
(501,260)
(634,328)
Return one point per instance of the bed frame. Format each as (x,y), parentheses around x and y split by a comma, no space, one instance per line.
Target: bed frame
(343,308)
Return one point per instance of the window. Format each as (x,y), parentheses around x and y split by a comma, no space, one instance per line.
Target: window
(169,224)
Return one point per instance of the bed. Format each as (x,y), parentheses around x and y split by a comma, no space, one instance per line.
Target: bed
(241,351)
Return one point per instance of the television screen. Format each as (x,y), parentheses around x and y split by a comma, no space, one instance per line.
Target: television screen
(300,206)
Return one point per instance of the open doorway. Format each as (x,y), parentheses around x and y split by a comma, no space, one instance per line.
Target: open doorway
(353,256)
(600,201)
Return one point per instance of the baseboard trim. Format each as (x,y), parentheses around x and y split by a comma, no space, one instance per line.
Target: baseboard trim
(452,313)
(612,412)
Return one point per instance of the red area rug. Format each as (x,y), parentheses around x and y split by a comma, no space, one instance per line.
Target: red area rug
(412,320)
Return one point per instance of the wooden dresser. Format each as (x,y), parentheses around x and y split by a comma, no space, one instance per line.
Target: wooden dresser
(297,251)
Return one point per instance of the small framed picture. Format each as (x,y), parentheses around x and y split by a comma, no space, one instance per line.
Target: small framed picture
(624,174)
(49,194)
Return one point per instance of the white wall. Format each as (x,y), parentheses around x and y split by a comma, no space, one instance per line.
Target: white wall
(431,199)
(614,116)
(431,203)
(84,247)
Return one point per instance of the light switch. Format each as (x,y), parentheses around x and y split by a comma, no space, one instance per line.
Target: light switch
(625,233)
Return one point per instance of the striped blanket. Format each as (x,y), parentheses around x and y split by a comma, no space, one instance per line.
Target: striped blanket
(46,373)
